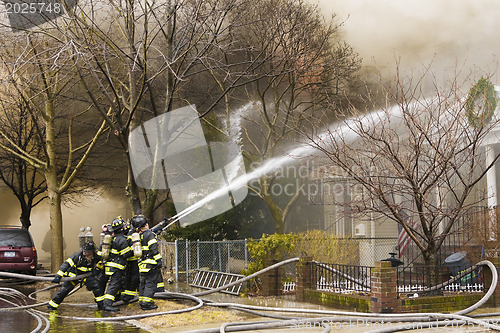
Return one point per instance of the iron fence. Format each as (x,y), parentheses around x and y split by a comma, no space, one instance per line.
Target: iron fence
(463,235)
(417,279)
(342,278)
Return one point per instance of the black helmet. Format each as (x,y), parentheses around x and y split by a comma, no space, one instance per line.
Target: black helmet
(138,221)
(117,224)
(88,247)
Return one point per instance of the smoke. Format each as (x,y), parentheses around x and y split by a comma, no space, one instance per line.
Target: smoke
(93,212)
(451,34)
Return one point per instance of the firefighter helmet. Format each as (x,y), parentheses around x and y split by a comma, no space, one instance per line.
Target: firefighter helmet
(117,224)
(88,247)
(138,221)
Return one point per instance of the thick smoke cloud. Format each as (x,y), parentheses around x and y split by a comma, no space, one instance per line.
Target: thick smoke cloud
(451,34)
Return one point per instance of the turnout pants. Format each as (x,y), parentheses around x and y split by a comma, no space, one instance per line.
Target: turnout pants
(115,284)
(148,285)
(90,282)
(131,284)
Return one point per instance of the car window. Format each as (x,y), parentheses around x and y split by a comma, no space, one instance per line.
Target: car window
(14,238)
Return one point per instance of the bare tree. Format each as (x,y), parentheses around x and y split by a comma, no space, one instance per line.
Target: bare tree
(308,66)
(24,181)
(419,158)
(148,58)
(34,70)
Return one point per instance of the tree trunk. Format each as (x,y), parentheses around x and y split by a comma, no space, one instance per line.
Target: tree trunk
(56,229)
(276,211)
(431,263)
(25,217)
(53,194)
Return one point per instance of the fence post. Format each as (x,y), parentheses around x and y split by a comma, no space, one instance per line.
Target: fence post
(187,261)
(384,288)
(246,254)
(197,254)
(305,278)
(271,280)
(176,260)
(228,266)
(495,298)
(220,256)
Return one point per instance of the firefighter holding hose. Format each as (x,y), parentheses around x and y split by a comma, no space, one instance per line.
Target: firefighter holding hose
(149,262)
(116,264)
(79,263)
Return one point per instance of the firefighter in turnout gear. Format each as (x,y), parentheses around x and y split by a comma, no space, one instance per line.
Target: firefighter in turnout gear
(149,263)
(79,263)
(131,282)
(116,264)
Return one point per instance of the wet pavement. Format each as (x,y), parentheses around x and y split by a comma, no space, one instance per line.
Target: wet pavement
(21,321)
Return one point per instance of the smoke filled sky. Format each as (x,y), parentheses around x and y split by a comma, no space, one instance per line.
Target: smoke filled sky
(451,34)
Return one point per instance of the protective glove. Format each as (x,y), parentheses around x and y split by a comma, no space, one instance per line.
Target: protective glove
(57,279)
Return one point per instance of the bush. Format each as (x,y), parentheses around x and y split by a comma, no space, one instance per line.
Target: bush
(316,244)
(326,248)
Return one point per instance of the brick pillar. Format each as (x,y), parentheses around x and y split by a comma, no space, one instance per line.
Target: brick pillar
(271,280)
(494,300)
(384,288)
(305,278)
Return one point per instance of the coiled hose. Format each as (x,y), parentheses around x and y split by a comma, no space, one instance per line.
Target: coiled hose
(333,316)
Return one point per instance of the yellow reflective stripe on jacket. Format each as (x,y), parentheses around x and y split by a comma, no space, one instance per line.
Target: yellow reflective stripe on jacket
(114,264)
(114,251)
(70,262)
(125,250)
(84,269)
(61,273)
(152,241)
(148,261)
(157,257)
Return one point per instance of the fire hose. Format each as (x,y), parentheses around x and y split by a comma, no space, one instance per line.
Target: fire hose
(332,316)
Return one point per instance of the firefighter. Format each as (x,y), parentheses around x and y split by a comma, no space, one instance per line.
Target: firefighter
(149,263)
(131,279)
(103,252)
(116,264)
(79,263)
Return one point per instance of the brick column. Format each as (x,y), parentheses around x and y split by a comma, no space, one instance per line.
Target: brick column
(271,280)
(494,300)
(305,278)
(384,288)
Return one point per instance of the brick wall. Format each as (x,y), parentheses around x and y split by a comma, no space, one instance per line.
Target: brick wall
(384,297)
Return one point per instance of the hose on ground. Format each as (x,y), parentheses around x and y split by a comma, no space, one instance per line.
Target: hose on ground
(43,278)
(20,296)
(166,295)
(341,316)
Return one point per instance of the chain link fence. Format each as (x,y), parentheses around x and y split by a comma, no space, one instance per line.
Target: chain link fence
(182,258)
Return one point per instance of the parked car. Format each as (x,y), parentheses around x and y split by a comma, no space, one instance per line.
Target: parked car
(17,251)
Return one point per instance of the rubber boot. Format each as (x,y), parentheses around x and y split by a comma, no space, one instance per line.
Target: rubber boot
(100,305)
(107,306)
(148,306)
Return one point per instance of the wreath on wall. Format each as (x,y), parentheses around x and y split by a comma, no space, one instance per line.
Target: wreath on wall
(481,103)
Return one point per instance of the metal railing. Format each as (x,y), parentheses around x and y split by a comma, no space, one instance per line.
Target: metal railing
(342,278)
(418,278)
